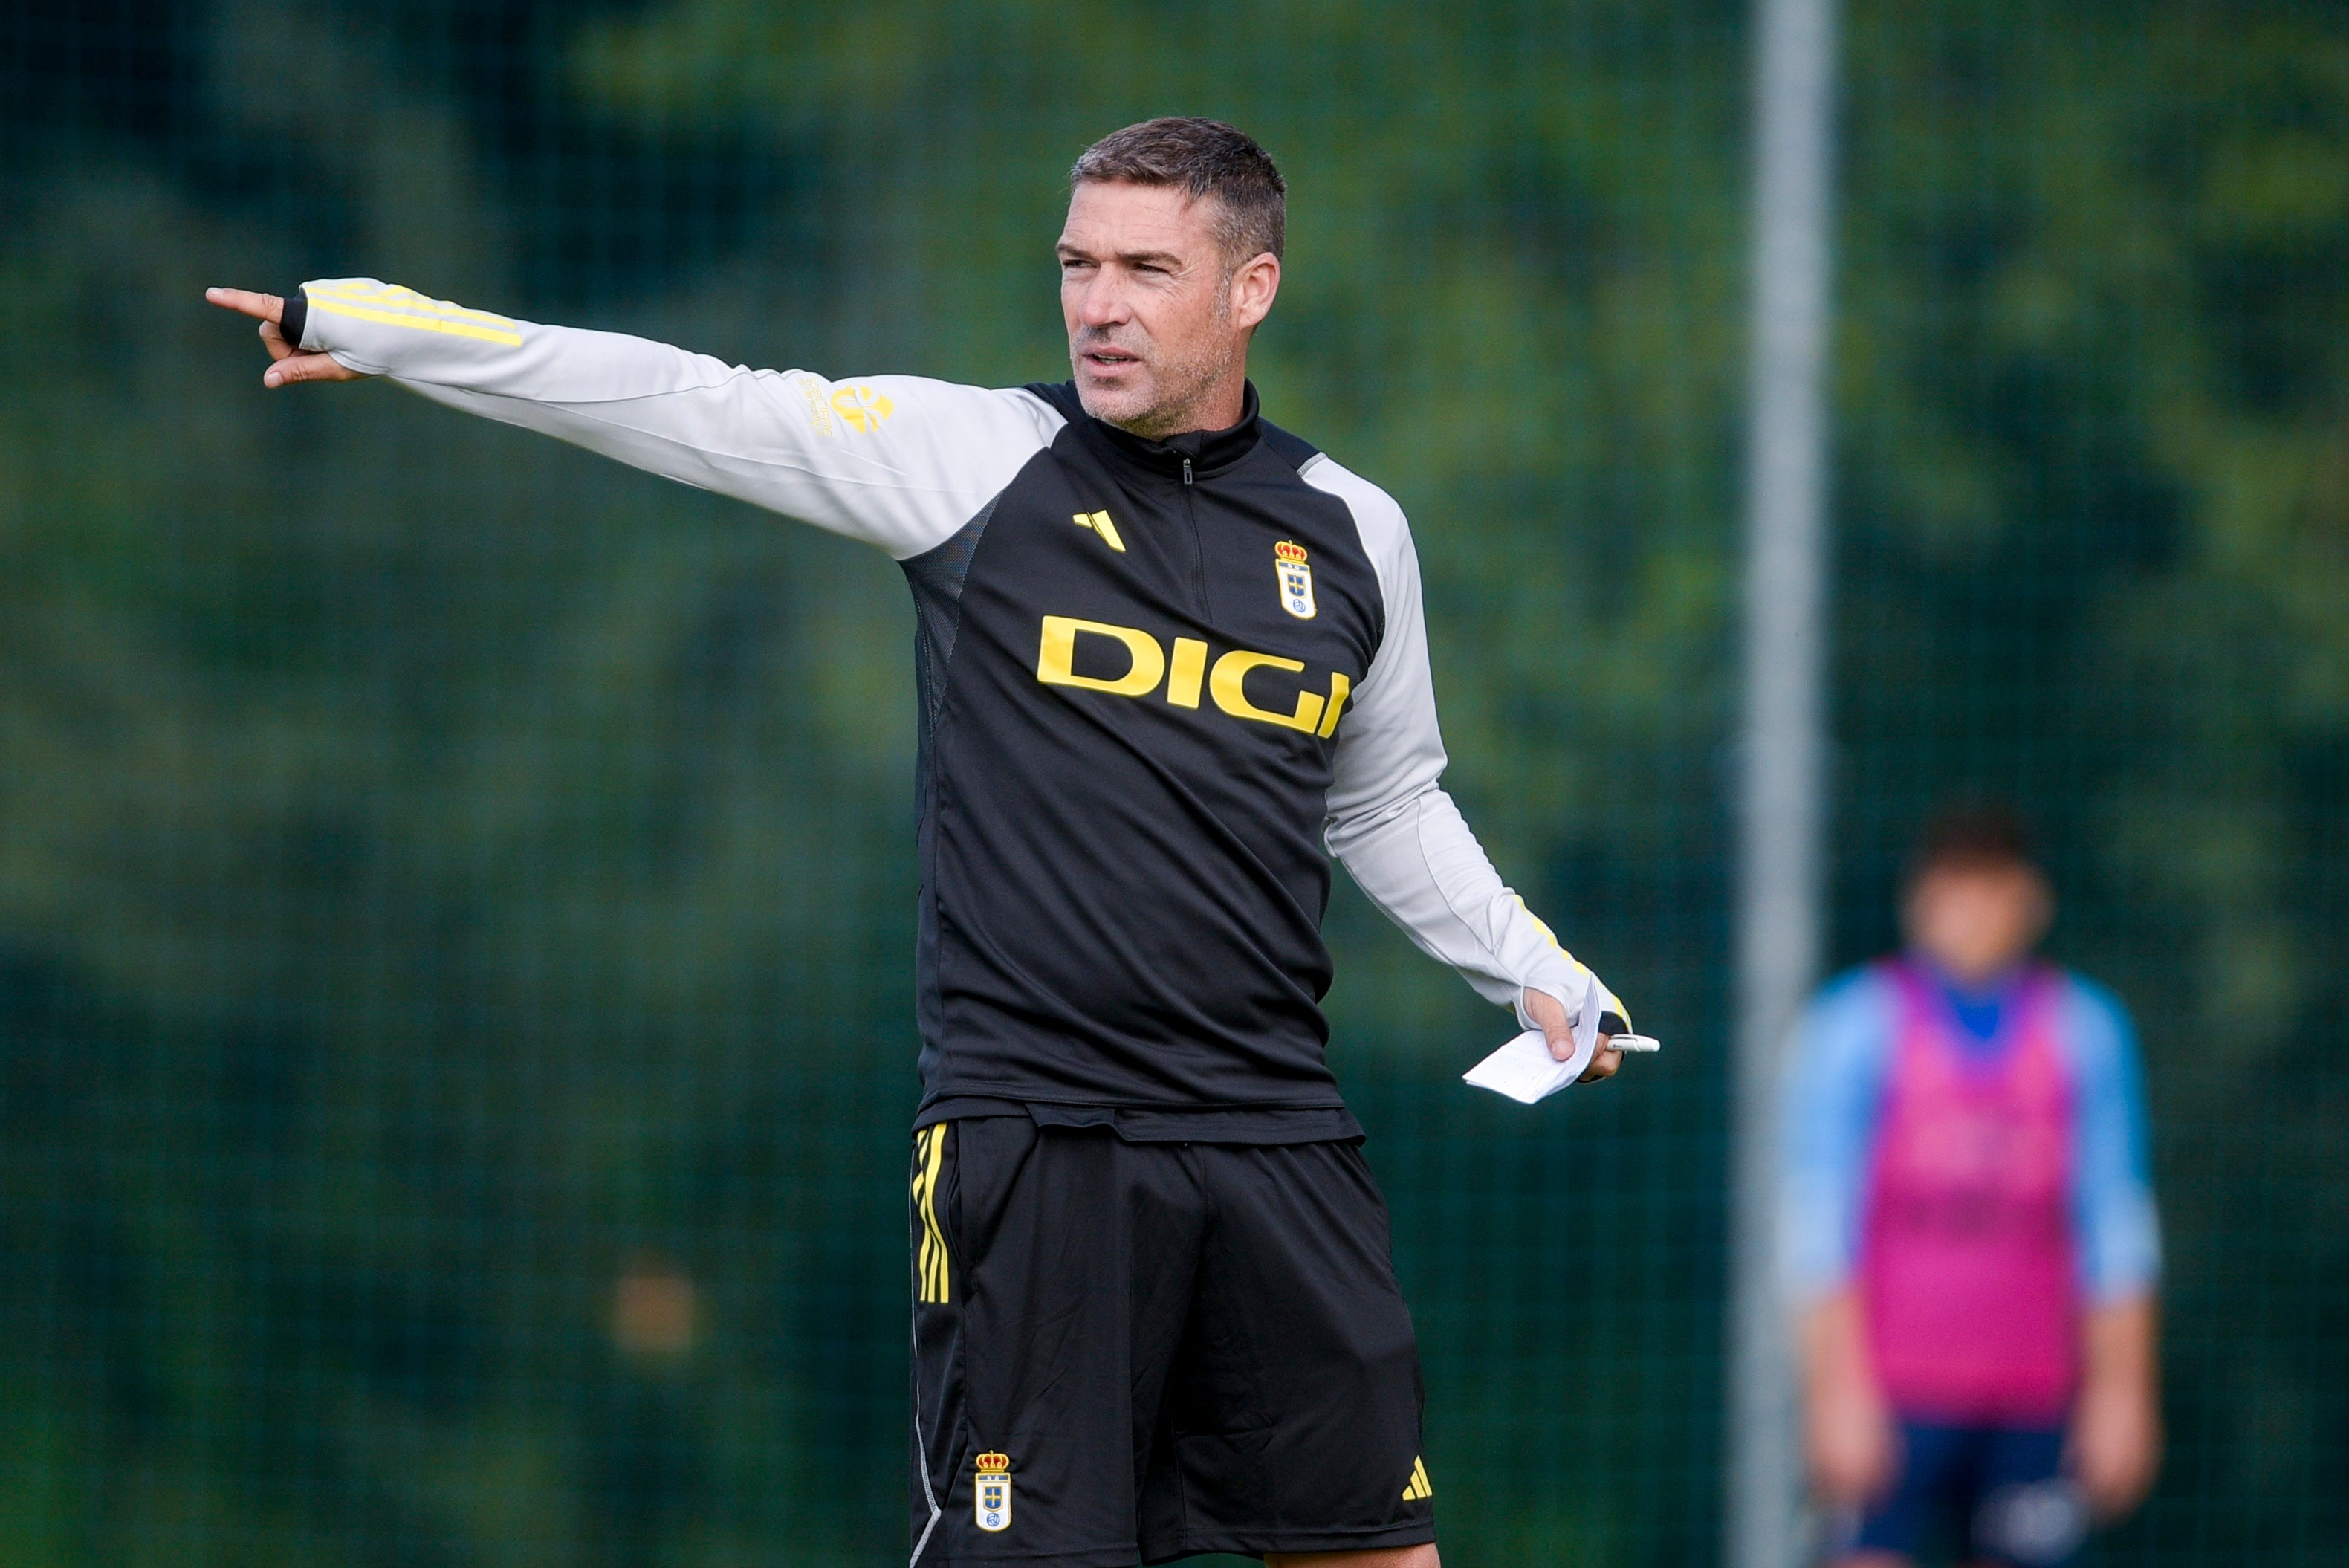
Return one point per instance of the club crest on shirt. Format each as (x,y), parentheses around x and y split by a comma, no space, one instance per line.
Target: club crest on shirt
(991,1491)
(1290,570)
(861,407)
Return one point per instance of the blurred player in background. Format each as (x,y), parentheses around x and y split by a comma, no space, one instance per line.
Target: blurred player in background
(1970,1229)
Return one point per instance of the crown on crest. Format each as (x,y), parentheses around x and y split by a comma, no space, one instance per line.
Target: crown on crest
(1290,551)
(995,1461)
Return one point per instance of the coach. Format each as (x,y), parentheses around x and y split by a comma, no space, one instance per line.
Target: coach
(1166,652)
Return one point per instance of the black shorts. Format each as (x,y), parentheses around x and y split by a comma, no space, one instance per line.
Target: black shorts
(1130,1351)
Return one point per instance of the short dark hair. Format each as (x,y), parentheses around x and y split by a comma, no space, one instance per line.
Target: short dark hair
(1206,158)
(1971,835)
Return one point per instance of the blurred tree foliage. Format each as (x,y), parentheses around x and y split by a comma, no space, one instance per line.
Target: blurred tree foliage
(446,885)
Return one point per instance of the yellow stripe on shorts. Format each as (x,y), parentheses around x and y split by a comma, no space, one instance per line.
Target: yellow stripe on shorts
(929,1156)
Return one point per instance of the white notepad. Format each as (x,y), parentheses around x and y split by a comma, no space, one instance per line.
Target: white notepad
(1525,1071)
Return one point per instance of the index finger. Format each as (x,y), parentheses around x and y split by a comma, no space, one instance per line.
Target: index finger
(260,306)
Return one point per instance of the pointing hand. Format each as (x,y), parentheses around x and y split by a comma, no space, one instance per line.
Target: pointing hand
(292,364)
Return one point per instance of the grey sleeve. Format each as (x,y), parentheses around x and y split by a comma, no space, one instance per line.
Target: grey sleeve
(897,462)
(1400,836)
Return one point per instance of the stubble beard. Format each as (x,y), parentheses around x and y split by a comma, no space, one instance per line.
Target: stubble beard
(1178,384)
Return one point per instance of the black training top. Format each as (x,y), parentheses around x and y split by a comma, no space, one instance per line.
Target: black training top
(1156,679)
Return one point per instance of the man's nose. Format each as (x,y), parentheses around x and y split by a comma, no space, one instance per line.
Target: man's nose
(1102,302)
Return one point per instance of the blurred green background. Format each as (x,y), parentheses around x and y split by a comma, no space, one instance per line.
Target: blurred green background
(455,895)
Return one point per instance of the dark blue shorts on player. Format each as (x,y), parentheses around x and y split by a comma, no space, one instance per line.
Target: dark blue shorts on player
(1131,1350)
(1998,1493)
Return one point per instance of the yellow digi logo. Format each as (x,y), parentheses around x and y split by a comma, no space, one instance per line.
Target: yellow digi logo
(991,1492)
(861,407)
(1184,674)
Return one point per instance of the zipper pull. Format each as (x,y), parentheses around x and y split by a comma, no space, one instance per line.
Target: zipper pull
(1186,471)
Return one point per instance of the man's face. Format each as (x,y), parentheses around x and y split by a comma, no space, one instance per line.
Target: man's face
(1977,922)
(1158,326)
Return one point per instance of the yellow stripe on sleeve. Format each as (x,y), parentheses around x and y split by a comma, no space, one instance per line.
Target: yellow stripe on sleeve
(1543,927)
(448,326)
(394,296)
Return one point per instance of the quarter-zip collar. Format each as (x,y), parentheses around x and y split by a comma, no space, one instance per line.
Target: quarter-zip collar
(1205,453)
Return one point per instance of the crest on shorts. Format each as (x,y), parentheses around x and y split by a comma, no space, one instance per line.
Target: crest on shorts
(990,1492)
(1295,576)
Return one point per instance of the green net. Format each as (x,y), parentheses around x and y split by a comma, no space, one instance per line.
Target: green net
(455,895)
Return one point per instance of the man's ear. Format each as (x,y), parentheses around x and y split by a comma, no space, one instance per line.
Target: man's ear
(1255,282)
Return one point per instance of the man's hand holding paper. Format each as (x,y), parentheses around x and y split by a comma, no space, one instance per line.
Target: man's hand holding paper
(1543,1060)
(1566,1042)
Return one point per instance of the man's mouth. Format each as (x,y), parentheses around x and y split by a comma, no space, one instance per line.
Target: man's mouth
(1110,358)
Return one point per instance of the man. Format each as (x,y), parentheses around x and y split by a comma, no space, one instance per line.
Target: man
(1164,649)
(1970,1224)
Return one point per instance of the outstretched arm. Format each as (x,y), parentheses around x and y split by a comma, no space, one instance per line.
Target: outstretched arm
(896,461)
(1404,841)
